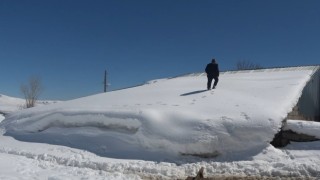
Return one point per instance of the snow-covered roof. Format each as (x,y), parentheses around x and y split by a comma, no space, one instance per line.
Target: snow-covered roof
(275,69)
(167,118)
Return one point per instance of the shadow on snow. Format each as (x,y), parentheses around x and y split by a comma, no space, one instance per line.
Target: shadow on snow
(193,92)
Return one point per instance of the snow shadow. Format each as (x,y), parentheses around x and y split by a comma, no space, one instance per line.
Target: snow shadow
(111,145)
(303,146)
(193,92)
(101,145)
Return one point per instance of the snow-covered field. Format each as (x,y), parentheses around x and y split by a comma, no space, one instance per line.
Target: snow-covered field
(164,129)
(11,104)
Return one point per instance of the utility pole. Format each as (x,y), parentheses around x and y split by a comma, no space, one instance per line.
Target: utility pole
(105,81)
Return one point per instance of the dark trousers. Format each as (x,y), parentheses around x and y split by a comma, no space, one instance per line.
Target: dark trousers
(210,78)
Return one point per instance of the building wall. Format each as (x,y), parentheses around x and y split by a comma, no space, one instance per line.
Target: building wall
(308,105)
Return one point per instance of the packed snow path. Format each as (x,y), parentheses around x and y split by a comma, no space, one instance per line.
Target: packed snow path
(168,118)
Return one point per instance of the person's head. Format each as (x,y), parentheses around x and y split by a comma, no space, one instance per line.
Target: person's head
(213,60)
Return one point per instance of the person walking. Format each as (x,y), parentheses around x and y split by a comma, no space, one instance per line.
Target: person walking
(212,70)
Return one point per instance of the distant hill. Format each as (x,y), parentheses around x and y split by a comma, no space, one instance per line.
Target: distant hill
(11,104)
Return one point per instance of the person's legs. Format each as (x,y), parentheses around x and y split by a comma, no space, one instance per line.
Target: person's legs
(216,80)
(209,82)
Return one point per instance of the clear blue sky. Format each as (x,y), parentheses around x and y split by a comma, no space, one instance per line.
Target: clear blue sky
(69,43)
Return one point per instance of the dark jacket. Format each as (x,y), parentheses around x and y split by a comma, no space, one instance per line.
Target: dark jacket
(212,70)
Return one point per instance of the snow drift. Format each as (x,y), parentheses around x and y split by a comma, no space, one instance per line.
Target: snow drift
(167,118)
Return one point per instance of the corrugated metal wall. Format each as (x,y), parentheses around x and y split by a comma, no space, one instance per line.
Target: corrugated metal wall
(309,102)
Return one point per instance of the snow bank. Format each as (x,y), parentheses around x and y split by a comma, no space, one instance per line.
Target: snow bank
(21,160)
(1,117)
(310,128)
(168,118)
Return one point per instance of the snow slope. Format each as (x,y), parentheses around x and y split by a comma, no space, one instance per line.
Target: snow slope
(169,119)
(10,104)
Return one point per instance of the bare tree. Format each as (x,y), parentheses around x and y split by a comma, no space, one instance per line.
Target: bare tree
(32,91)
(247,65)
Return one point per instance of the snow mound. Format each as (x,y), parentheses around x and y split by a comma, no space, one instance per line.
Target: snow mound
(168,118)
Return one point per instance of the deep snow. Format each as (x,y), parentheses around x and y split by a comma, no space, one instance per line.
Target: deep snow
(165,122)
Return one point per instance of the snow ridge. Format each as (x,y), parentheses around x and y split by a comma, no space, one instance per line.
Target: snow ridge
(115,122)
